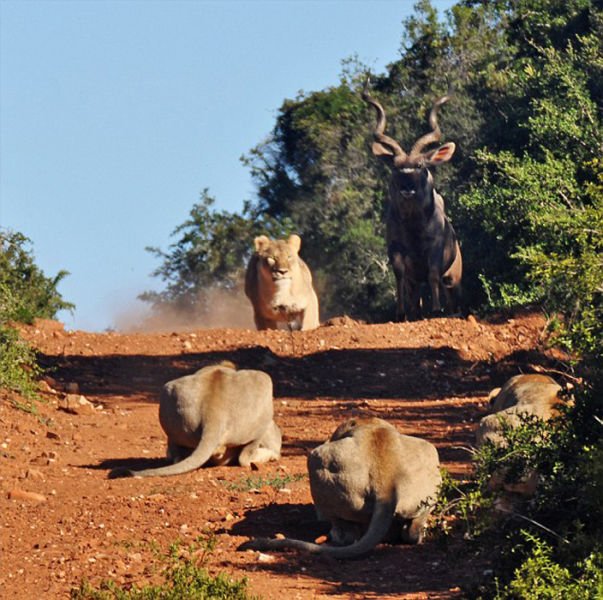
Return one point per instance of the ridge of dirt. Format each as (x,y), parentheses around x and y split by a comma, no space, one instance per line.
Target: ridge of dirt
(64,521)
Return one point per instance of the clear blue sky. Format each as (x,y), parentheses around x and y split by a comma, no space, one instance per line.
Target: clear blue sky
(114,115)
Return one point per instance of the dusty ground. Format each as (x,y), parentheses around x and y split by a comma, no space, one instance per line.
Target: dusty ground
(62,520)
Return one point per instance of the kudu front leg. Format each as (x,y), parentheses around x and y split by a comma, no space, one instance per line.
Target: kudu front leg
(434,278)
(399,271)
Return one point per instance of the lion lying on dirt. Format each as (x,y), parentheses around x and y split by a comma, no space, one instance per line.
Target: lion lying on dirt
(373,484)
(222,415)
(279,285)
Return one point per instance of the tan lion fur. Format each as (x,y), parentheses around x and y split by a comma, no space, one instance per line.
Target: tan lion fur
(279,285)
(372,484)
(217,416)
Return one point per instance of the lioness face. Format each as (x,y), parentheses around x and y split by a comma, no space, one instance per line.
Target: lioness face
(278,259)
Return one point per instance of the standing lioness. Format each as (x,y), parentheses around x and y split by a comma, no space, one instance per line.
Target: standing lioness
(279,285)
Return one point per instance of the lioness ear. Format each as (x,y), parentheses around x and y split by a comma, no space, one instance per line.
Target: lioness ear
(260,243)
(228,364)
(294,242)
(440,155)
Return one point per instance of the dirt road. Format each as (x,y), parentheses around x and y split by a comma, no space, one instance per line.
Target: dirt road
(63,520)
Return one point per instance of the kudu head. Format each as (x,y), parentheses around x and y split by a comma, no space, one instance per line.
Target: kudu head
(411,176)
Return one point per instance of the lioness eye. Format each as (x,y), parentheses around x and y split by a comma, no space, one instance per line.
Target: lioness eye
(271,262)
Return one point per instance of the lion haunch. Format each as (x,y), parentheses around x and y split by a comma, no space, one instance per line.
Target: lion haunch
(531,394)
(279,285)
(372,484)
(521,396)
(217,416)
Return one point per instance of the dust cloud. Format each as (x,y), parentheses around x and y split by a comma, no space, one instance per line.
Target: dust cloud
(227,309)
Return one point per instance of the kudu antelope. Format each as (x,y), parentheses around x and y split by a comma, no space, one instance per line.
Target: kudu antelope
(421,243)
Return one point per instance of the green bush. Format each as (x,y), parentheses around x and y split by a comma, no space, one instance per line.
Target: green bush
(540,577)
(185,578)
(18,367)
(25,293)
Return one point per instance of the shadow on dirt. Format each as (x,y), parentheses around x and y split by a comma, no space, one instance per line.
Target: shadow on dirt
(386,570)
(135,464)
(417,373)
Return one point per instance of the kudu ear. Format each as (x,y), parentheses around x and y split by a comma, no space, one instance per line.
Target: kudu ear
(440,155)
(381,151)
(294,242)
(260,243)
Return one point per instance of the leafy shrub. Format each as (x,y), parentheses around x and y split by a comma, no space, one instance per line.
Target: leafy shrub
(540,577)
(18,366)
(25,293)
(185,578)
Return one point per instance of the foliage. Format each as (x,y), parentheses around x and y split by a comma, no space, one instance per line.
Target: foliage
(185,578)
(568,266)
(18,367)
(277,482)
(25,293)
(540,577)
(529,189)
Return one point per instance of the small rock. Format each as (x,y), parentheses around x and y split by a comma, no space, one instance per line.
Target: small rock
(44,387)
(18,494)
(51,382)
(51,435)
(72,387)
(76,404)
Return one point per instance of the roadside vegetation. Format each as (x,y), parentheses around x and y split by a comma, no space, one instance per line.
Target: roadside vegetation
(25,294)
(184,576)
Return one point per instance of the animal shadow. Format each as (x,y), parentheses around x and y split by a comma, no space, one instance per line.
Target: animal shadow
(292,520)
(134,464)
